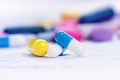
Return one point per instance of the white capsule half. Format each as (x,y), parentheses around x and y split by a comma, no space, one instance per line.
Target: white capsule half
(54,50)
(76,47)
(17,40)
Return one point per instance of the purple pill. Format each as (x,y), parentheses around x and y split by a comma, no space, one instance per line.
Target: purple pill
(100,34)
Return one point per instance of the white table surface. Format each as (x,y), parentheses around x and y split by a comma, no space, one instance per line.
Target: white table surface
(101,61)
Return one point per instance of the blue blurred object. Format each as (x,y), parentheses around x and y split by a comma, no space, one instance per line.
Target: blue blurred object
(98,16)
(48,36)
(63,38)
(24,29)
(4,41)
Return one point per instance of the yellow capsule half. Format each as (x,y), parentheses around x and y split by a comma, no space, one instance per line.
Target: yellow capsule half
(32,42)
(70,15)
(39,47)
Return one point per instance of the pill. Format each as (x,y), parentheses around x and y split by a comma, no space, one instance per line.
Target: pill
(24,29)
(12,40)
(70,43)
(48,25)
(68,23)
(54,50)
(42,48)
(31,42)
(38,47)
(70,15)
(98,16)
(100,34)
(74,32)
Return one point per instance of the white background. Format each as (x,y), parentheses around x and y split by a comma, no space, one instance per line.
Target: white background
(13,12)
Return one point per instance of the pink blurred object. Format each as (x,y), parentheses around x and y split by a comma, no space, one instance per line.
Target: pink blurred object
(2,33)
(74,32)
(68,23)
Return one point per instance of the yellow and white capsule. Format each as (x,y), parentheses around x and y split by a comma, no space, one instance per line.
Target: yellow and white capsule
(42,48)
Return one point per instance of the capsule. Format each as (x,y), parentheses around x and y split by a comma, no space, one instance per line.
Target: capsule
(98,16)
(74,32)
(24,29)
(42,48)
(70,15)
(12,40)
(68,42)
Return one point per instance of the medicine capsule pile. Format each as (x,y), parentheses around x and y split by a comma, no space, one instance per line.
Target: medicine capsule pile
(42,48)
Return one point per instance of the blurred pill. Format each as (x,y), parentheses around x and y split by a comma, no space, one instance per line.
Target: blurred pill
(74,32)
(24,29)
(98,16)
(68,23)
(100,34)
(70,15)
(12,40)
(48,36)
(15,40)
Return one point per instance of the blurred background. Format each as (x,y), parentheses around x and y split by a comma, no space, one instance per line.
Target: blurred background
(26,11)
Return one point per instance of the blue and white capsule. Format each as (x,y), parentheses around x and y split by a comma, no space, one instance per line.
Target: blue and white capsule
(12,40)
(68,42)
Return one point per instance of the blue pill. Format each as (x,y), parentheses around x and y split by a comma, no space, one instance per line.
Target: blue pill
(24,29)
(4,41)
(98,16)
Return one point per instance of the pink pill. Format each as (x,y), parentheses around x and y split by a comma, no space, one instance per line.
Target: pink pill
(74,32)
(2,33)
(68,23)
